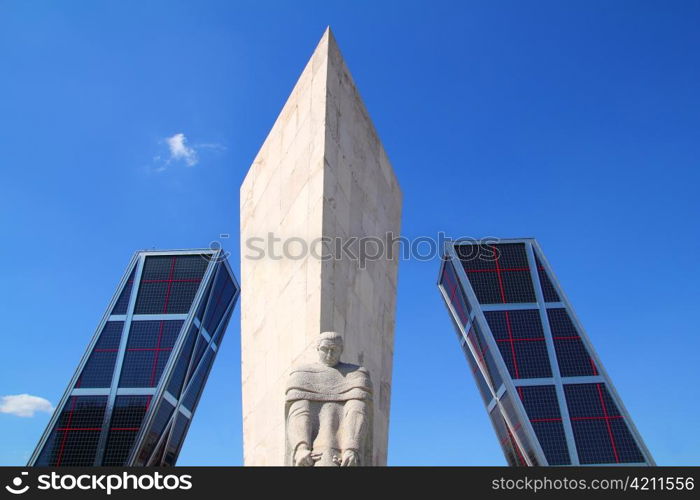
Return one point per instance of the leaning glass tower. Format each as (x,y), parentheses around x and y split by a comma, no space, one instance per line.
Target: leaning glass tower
(134,393)
(548,396)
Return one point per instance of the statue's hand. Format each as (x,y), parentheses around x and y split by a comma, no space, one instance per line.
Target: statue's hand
(350,459)
(302,457)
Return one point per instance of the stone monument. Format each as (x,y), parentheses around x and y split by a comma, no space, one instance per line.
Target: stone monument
(329,410)
(320,175)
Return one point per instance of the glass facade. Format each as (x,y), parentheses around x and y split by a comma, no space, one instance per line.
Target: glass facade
(542,385)
(134,393)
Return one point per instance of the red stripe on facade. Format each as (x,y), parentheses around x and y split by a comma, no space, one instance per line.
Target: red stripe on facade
(65,433)
(607,423)
(80,429)
(137,349)
(500,282)
(597,418)
(503,269)
(170,284)
(512,346)
(481,354)
(462,314)
(157,350)
(595,370)
(193,280)
(538,339)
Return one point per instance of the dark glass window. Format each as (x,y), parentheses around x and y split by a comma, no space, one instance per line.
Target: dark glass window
(572,356)
(548,291)
(169,284)
(542,408)
(98,370)
(455,293)
(99,367)
(511,450)
(155,432)
(127,416)
(200,346)
(177,436)
(157,458)
(526,446)
(219,300)
(123,301)
(600,431)
(111,336)
(520,339)
(218,337)
(203,302)
(484,356)
(74,439)
(498,273)
(480,382)
(147,353)
(196,385)
(183,362)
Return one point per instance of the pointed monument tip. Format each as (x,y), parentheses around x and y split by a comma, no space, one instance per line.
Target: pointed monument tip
(328,34)
(326,42)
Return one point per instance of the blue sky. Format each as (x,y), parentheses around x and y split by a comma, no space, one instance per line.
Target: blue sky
(573,122)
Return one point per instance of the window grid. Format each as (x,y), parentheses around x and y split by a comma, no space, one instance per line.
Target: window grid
(74,439)
(572,355)
(99,368)
(601,434)
(148,350)
(123,300)
(548,291)
(451,286)
(520,339)
(499,274)
(126,422)
(489,280)
(542,408)
(169,284)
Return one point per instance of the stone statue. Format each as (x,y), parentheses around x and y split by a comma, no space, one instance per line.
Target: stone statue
(329,410)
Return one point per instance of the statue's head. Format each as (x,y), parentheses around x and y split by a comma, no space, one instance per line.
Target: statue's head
(329,347)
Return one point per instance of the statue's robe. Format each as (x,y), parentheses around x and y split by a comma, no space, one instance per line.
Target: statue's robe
(329,409)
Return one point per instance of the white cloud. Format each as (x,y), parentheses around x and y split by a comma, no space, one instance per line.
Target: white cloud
(179,150)
(24,405)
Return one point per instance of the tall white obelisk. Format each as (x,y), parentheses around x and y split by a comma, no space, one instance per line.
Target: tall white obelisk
(321,172)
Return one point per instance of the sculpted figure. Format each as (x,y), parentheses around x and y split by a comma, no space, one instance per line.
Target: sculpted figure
(329,410)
